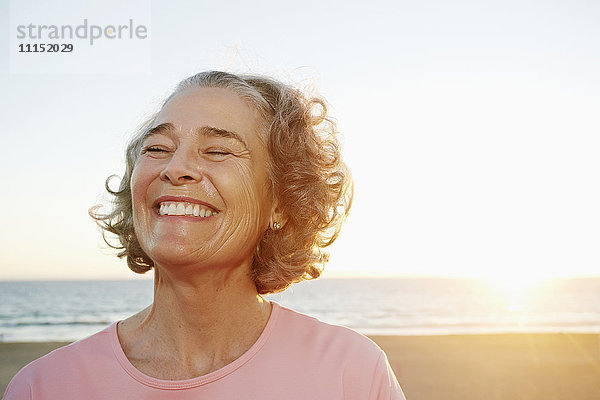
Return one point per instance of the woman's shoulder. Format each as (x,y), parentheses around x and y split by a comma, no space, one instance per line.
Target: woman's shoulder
(309,332)
(332,353)
(59,362)
(80,348)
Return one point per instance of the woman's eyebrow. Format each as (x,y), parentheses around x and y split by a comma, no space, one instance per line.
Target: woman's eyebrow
(217,132)
(167,127)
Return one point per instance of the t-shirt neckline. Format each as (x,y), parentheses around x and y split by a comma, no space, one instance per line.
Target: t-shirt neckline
(196,381)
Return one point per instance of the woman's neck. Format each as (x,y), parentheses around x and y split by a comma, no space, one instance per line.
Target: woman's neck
(195,326)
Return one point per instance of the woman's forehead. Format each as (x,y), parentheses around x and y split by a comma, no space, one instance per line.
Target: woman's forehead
(195,108)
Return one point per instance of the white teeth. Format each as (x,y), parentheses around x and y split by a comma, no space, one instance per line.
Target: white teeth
(183,208)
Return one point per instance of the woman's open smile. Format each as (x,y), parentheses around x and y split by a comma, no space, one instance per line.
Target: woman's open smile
(184,207)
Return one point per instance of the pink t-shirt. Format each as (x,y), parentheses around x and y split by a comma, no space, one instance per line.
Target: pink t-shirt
(296,357)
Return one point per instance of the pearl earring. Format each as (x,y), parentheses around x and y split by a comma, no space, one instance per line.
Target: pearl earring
(276,225)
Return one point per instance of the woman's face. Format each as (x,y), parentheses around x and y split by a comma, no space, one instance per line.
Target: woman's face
(203,157)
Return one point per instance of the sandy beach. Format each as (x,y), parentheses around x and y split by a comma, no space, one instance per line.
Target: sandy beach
(482,367)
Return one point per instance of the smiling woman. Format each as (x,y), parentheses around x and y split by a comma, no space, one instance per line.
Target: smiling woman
(232,190)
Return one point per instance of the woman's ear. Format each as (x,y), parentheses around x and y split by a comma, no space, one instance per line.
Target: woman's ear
(278,217)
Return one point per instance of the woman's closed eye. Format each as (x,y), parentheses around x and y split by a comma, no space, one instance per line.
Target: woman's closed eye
(154,149)
(218,152)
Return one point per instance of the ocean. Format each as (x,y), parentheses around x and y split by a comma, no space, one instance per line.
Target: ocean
(71,310)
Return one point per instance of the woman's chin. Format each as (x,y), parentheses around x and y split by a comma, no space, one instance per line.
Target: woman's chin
(177,254)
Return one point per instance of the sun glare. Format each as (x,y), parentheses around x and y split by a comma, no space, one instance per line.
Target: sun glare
(515,291)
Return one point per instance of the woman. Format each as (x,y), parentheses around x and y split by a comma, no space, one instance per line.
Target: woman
(231,191)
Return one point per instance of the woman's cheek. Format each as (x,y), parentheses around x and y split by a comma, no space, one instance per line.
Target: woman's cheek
(248,195)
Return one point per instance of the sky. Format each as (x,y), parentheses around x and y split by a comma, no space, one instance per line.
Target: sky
(471,128)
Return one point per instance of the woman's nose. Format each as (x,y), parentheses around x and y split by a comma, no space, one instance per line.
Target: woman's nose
(183,167)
